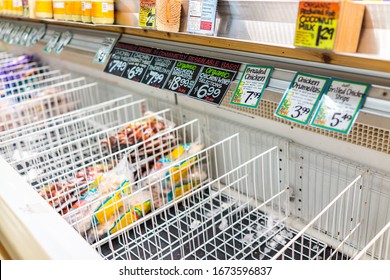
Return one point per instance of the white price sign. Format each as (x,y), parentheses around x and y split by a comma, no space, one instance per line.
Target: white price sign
(251,86)
(340,106)
(301,98)
(105,50)
(66,37)
(52,42)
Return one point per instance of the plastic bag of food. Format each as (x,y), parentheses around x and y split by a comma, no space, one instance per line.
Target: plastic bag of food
(137,206)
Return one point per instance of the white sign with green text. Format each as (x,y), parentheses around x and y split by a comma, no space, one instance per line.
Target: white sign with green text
(251,86)
(301,98)
(340,106)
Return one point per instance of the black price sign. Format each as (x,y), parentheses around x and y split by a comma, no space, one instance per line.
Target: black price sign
(212,84)
(183,77)
(158,72)
(118,62)
(137,66)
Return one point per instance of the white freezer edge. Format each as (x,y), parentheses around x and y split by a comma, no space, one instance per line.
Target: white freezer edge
(24,216)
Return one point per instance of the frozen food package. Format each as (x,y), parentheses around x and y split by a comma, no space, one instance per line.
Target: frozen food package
(136,132)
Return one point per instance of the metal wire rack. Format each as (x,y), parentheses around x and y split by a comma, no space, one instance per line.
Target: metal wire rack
(51,133)
(50,101)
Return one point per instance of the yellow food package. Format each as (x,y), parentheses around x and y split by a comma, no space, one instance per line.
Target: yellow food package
(59,9)
(134,214)
(178,172)
(111,204)
(43,9)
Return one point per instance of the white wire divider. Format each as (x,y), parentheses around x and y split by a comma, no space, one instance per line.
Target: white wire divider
(37,138)
(378,248)
(338,225)
(199,208)
(53,100)
(27,129)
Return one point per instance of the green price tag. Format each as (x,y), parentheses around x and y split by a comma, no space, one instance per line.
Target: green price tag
(340,106)
(301,98)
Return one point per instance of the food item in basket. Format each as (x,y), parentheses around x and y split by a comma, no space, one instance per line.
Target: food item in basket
(163,194)
(43,9)
(175,158)
(139,204)
(63,194)
(136,132)
(115,181)
(182,177)
(168,15)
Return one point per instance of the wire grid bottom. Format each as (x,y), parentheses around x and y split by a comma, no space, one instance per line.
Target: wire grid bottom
(212,228)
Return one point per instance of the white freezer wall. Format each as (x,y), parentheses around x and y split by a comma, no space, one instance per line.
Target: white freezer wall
(313,173)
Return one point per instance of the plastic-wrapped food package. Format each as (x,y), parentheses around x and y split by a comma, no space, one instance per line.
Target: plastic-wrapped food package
(64,194)
(137,132)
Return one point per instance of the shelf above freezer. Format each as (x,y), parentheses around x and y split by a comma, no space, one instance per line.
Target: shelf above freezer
(359,60)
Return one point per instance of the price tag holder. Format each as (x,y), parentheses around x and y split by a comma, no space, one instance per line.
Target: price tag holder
(24,40)
(41,33)
(19,36)
(7,32)
(316,24)
(251,86)
(12,36)
(301,98)
(340,106)
(136,66)
(201,16)
(65,39)
(118,62)
(52,42)
(183,77)
(104,50)
(158,72)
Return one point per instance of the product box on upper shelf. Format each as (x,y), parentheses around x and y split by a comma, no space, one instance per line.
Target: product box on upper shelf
(126,12)
(329,25)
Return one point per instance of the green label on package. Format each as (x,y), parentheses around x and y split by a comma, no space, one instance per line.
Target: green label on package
(340,106)
(301,98)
